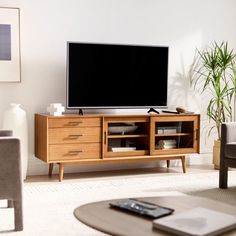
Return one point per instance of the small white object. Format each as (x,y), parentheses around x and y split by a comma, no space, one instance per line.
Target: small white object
(160,131)
(55,109)
(122,129)
(123,149)
(14,118)
(168,129)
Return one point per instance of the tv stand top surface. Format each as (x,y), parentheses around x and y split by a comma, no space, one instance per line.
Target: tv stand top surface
(117,115)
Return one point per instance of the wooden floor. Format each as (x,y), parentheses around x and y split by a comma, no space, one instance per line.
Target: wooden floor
(128,173)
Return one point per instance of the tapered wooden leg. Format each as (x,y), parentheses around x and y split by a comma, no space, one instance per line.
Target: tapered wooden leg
(168,163)
(50,169)
(61,171)
(183,164)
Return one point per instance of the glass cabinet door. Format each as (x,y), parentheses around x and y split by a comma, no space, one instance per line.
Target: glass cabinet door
(174,136)
(126,137)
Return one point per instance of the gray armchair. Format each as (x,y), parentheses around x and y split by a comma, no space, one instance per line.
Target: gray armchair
(227,151)
(10,175)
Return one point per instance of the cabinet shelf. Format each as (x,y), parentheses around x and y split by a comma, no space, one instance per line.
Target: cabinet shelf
(128,136)
(173,135)
(126,154)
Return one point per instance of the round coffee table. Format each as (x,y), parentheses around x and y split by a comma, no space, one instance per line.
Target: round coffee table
(100,216)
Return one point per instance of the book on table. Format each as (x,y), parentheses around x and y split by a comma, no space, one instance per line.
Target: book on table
(198,221)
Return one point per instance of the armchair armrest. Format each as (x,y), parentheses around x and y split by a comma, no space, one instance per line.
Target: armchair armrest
(6,133)
(10,157)
(10,148)
(228,132)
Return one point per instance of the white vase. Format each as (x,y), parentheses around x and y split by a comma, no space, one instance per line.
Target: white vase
(15,119)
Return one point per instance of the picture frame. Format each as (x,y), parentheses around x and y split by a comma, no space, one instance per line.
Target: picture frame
(10,60)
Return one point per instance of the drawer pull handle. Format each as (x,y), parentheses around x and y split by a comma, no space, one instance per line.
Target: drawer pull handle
(74,123)
(75,152)
(74,136)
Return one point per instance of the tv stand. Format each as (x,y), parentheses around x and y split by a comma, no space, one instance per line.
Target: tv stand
(114,138)
(153,110)
(81,112)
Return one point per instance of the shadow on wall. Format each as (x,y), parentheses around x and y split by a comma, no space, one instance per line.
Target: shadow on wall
(180,91)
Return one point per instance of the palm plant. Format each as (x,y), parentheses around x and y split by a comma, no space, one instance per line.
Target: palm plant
(216,74)
(232,92)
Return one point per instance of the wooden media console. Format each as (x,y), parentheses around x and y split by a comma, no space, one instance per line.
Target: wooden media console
(96,138)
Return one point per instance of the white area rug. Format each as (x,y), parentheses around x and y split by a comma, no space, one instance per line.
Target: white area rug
(48,208)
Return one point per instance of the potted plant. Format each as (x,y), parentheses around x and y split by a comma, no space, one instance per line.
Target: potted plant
(215,74)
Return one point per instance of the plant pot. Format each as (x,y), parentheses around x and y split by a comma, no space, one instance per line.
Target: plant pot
(216,154)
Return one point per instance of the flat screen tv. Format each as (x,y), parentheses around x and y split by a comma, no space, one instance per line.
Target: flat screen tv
(116,76)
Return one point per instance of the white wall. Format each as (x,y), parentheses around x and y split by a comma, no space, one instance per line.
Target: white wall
(46,25)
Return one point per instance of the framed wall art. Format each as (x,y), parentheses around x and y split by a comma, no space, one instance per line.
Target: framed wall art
(10,65)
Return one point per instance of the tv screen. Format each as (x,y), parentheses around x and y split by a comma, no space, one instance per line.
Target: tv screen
(116,76)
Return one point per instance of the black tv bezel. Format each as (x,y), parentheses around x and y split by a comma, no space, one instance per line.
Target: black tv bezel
(112,107)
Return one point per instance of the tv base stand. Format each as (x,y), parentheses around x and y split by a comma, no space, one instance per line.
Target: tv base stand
(81,112)
(95,138)
(153,110)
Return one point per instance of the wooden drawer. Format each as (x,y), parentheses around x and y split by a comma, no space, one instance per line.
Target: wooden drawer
(73,122)
(74,152)
(75,135)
